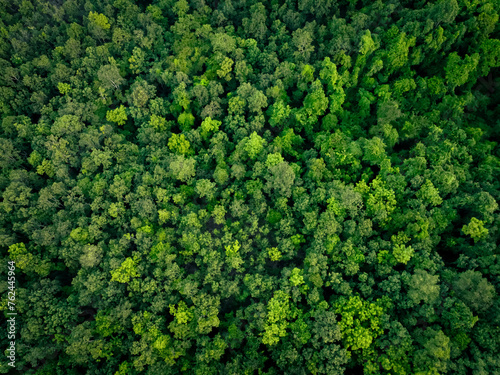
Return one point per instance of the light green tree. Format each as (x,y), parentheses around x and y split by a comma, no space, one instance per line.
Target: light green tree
(278,310)
(476,230)
(28,262)
(254,145)
(179,144)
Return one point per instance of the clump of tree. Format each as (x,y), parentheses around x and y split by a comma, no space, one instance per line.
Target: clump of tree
(244,187)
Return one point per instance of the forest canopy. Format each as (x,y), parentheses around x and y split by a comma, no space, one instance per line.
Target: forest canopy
(242,187)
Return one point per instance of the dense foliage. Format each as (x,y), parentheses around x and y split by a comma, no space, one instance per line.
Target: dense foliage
(240,187)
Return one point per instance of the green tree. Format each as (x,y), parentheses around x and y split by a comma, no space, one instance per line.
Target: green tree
(458,70)
(429,194)
(98,24)
(208,125)
(423,287)
(126,271)
(118,115)
(179,144)
(302,41)
(254,145)
(182,168)
(278,310)
(109,76)
(28,262)
(476,292)
(476,230)
(281,178)
(140,93)
(434,356)
(360,322)
(205,188)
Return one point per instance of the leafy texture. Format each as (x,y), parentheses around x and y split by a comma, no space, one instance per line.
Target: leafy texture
(242,187)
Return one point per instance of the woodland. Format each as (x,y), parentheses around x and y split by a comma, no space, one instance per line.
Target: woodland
(250,187)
